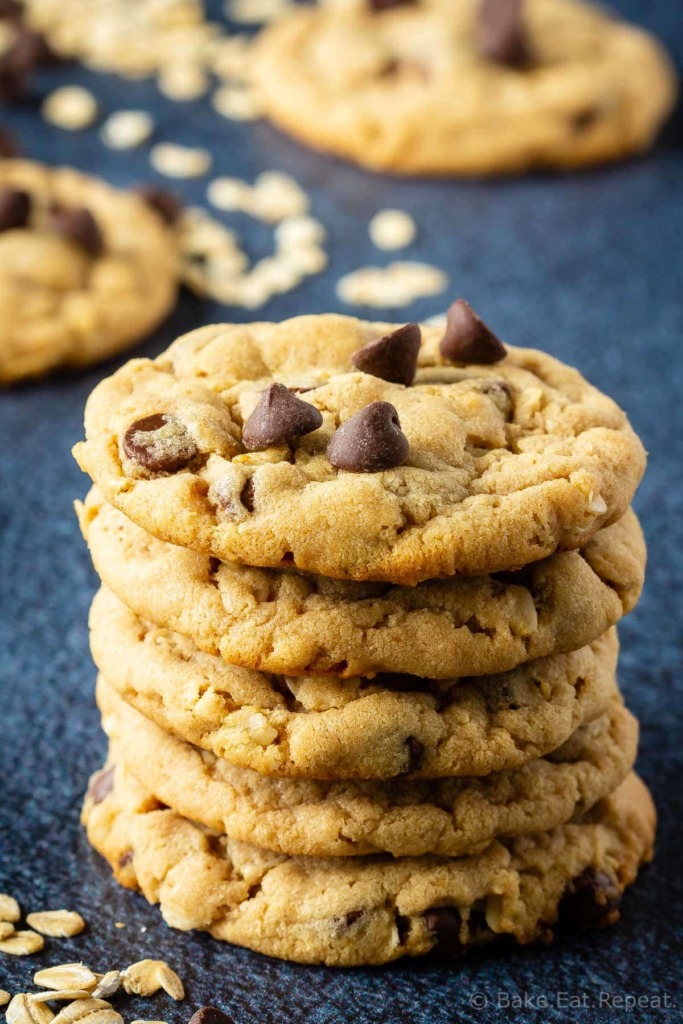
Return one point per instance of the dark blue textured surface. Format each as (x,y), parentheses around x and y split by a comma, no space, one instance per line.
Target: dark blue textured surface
(587,267)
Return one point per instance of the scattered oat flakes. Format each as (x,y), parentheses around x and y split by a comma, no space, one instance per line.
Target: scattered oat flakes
(4,997)
(107,985)
(392,229)
(276,196)
(9,908)
(60,924)
(230,57)
(125,129)
(23,1010)
(66,976)
(6,929)
(183,81)
(96,1011)
(255,12)
(237,101)
(391,287)
(146,977)
(299,232)
(119,924)
(229,194)
(70,107)
(64,994)
(180,161)
(22,943)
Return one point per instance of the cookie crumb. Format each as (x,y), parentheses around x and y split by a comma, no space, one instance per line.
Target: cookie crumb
(391,287)
(4,997)
(177,161)
(392,229)
(70,107)
(126,129)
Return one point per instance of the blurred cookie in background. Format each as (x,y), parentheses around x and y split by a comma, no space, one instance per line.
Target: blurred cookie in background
(85,269)
(480,87)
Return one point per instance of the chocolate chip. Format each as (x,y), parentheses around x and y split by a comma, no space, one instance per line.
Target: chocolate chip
(377,6)
(31,50)
(14,77)
(101,785)
(468,339)
(370,441)
(15,208)
(210,1015)
(8,147)
(352,917)
(159,443)
(77,225)
(125,859)
(393,357)
(590,902)
(11,10)
(501,35)
(279,417)
(402,927)
(415,754)
(167,204)
(444,924)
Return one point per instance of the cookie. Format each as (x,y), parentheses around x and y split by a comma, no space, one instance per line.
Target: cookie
(450,817)
(325,728)
(290,623)
(432,87)
(85,269)
(370,910)
(472,469)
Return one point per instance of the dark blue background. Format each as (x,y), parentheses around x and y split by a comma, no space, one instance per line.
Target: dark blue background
(588,267)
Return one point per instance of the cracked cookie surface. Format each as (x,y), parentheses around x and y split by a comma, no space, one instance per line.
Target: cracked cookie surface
(450,817)
(506,463)
(287,622)
(71,293)
(371,910)
(326,728)
(412,94)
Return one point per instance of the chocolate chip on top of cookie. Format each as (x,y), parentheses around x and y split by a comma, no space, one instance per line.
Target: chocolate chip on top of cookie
(378,6)
(501,33)
(279,417)
(370,441)
(167,204)
(392,357)
(159,443)
(468,339)
(76,224)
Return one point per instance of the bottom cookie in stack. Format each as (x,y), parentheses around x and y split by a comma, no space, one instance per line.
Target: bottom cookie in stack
(371,909)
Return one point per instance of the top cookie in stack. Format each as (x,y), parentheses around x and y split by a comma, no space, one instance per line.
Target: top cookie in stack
(310,533)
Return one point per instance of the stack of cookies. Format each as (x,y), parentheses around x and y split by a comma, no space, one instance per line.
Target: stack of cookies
(356,638)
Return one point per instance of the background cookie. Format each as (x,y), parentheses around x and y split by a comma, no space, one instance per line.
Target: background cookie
(85,269)
(505,463)
(417,92)
(367,910)
(321,727)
